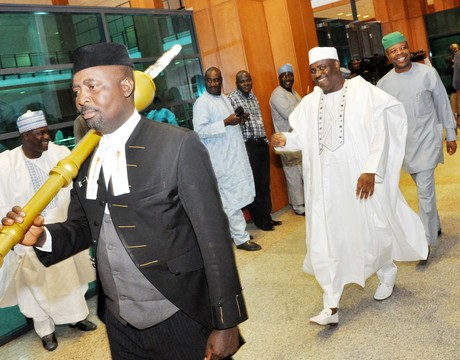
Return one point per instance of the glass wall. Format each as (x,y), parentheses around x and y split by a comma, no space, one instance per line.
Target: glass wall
(443,29)
(36,63)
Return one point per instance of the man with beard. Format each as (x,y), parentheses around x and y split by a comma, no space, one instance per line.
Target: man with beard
(147,199)
(257,148)
(217,125)
(48,295)
(283,101)
(426,103)
(352,137)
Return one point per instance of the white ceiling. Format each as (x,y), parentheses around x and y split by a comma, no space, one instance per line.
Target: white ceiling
(364,10)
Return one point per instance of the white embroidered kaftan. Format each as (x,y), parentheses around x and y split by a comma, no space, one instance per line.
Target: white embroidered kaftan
(56,291)
(349,239)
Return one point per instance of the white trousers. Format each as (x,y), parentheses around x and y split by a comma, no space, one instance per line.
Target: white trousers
(427,209)
(43,325)
(387,273)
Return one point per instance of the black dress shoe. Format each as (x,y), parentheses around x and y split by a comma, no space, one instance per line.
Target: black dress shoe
(275,222)
(266,226)
(84,325)
(50,342)
(439,232)
(249,246)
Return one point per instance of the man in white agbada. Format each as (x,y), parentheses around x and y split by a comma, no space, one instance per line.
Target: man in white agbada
(428,110)
(283,101)
(217,125)
(48,295)
(352,137)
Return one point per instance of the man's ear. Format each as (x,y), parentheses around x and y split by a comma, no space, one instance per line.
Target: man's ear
(127,86)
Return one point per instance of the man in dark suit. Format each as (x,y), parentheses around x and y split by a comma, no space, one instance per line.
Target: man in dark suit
(147,199)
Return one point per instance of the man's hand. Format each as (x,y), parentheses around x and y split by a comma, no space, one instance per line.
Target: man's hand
(451,147)
(222,343)
(234,119)
(34,236)
(365,186)
(278,139)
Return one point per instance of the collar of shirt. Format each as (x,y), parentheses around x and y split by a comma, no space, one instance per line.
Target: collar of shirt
(111,156)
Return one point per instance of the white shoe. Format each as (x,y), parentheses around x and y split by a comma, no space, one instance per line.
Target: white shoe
(383,291)
(387,277)
(325,317)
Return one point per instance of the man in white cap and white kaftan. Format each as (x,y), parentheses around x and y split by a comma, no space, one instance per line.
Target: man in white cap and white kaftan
(352,136)
(48,295)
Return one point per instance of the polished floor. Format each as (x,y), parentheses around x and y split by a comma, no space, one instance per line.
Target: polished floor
(420,321)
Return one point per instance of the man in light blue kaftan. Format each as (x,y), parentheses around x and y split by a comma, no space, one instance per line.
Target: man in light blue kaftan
(216,123)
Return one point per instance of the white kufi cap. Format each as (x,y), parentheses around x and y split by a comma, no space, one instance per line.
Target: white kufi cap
(31,120)
(322,53)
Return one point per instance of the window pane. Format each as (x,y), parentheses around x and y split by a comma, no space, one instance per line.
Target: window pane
(41,39)
(174,89)
(46,90)
(152,35)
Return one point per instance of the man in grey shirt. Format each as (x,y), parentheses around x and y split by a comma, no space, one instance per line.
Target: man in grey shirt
(283,101)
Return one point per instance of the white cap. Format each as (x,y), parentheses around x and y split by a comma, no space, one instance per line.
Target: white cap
(322,53)
(31,120)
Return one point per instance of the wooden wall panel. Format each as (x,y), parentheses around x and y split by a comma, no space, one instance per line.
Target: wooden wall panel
(197,4)
(205,31)
(398,9)
(281,39)
(260,36)
(147,4)
(229,41)
(440,5)
(305,38)
(419,41)
(260,63)
(405,16)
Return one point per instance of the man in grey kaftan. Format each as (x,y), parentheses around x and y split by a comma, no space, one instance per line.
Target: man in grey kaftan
(283,101)
(428,110)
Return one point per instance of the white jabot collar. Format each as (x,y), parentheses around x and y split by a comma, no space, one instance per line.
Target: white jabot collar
(111,156)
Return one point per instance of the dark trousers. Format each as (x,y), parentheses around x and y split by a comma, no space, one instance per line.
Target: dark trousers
(259,158)
(178,337)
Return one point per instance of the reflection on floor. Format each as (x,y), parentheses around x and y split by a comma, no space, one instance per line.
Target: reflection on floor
(421,319)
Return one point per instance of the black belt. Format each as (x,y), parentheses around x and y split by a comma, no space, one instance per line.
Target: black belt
(261,140)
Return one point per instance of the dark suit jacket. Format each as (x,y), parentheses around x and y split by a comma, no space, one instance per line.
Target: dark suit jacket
(171,223)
